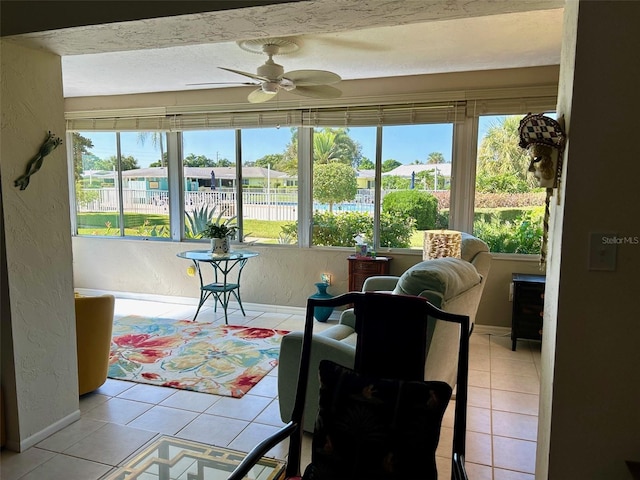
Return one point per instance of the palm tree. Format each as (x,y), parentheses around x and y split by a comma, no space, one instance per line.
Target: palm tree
(157,140)
(434,158)
(324,147)
(499,154)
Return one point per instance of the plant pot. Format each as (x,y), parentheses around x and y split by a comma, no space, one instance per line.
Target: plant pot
(220,246)
(322,314)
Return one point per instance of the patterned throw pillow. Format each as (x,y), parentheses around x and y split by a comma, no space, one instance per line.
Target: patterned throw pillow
(374,429)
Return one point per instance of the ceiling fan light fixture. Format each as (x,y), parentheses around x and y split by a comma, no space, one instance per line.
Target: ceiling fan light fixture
(270,87)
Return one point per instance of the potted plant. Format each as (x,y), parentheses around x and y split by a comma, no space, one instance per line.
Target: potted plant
(220,232)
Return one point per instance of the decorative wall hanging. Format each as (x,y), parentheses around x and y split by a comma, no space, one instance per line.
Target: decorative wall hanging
(50,144)
(544,140)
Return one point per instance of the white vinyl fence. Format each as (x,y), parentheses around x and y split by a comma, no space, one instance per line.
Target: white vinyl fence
(257,203)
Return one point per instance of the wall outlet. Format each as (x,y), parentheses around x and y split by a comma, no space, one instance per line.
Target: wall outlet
(603,251)
(325,278)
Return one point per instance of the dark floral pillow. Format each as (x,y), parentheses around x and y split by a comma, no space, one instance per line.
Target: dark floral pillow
(371,429)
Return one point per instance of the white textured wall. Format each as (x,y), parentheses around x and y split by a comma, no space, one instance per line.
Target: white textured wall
(38,248)
(589,416)
(278,276)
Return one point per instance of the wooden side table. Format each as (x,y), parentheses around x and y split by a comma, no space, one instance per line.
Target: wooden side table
(528,307)
(361,268)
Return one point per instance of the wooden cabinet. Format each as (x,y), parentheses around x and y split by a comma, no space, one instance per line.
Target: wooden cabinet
(528,307)
(361,268)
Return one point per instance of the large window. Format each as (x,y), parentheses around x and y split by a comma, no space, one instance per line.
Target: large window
(416,182)
(270,184)
(343,185)
(509,204)
(210,178)
(121,184)
(386,173)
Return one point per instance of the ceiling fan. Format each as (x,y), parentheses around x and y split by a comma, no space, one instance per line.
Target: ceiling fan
(272,78)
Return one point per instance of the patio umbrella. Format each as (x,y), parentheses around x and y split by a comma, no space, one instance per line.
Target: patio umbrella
(213,180)
(413,180)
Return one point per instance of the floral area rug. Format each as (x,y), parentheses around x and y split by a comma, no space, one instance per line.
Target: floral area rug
(202,357)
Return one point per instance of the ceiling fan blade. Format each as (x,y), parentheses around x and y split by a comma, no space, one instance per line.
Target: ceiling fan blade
(258,96)
(317,91)
(224,83)
(246,74)
(305,78)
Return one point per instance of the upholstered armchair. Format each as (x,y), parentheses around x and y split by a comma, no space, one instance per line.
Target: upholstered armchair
(94,324)
(453,284)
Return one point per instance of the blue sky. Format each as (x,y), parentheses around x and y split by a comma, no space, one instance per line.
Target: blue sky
(403,143)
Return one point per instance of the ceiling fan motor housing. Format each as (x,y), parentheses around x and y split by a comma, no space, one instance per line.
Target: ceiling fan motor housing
(270,70)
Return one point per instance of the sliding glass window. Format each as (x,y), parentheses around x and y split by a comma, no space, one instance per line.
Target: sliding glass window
(210,179)
(416,182)
(509,204)
(120,184)
(269,185)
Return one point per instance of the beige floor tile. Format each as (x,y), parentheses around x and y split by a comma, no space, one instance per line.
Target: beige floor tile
(192,401)
(476,471)
(254,434)
(110,444)
(515,383)
(481,349)
(514,402)
(479,397)
(480,362)
(506,381)
(147,393)
(513,454)
(479,419)
(74,433)
(293,324)
(478,448)
(478,339)
(267,387)
(515,425)
(501,348)
(478,378)
(112,388)
(500,474)
(64,467)
(267,322)
(270,415)
(510,366)
(245,408)
(91,400)
(15,465)
(213,430)
(118,410)
(163,420)
(443,466)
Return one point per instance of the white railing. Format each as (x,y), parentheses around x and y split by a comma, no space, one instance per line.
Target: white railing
(257,203)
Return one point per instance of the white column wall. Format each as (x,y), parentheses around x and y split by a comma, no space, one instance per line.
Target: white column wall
(39,317)
(589,417)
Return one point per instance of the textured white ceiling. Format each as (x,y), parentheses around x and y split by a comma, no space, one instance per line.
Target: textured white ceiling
(354,38)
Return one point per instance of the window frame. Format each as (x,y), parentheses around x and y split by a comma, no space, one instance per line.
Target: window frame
(465,121)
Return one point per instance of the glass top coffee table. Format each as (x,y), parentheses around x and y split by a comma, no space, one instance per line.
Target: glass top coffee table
(169,458)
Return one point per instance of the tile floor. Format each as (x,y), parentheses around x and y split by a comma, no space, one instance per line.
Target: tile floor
(121,417)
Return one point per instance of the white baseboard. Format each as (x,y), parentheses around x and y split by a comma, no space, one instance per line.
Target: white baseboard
(44,433)
(191,301)
(491,330)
